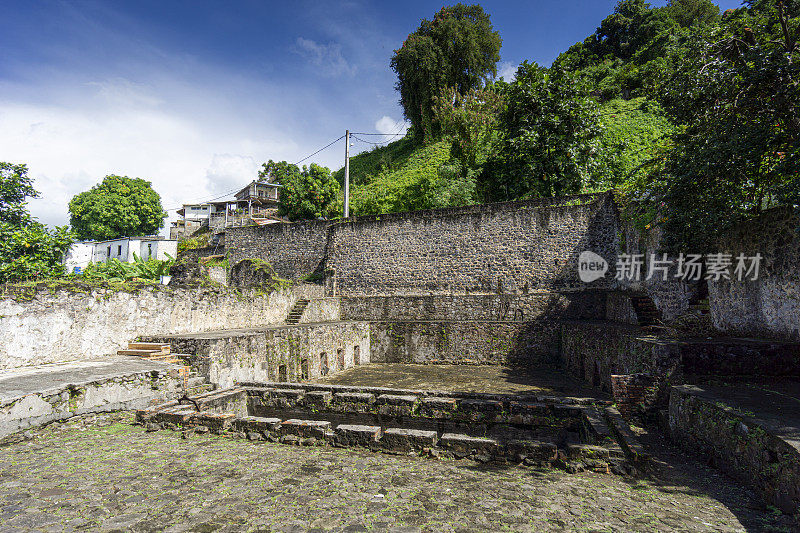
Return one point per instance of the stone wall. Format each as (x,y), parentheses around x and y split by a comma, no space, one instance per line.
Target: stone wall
(596,351)
(588,304)
(66,326)
(133,390)
(513,247)
(738,443)
(282,353)
(296,251)
(769,306)
(464,342)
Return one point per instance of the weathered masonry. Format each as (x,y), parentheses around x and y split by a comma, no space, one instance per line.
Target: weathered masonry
(513,247)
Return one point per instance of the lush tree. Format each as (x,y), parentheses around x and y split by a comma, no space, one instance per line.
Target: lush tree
(635,133)
(737,99)
(471,121)
(550,134)
(15,187)
(458,49)
(625,56)
(119,206)
(28,250)
(307,193)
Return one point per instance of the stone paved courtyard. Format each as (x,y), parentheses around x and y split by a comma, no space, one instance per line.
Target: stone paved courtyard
(102,473)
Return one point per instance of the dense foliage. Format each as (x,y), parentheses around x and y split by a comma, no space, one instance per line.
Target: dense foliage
(28,249)
(549,128)
(115,270)
(458,49)
(628,54)
(307,193)
(119,206)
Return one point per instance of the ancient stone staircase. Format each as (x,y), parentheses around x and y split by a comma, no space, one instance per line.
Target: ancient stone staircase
(297,311)
(151,351)
(192,380)
(575,434)
(646,311)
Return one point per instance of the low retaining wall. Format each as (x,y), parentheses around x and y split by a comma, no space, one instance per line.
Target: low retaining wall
(464,342)
(134,390)
(284,353)
(66,325)
(645,366)
(589,304)
(738,444)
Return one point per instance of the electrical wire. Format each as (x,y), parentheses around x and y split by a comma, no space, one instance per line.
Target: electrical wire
(237,190)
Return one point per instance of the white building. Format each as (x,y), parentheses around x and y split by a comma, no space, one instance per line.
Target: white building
(78,257)
(80,254)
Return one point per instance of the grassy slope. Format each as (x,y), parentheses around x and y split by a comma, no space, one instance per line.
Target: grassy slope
(398,177)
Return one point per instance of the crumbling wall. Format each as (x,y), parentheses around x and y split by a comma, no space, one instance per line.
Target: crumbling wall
(284,353)
(65,326)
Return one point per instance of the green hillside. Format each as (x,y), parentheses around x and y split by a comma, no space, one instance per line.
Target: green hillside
(405,176)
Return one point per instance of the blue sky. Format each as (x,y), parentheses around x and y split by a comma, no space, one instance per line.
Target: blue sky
(195,95)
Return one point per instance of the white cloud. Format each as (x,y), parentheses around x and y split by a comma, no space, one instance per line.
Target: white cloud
(327,57)
(121,127)
(389,126)
(507,71)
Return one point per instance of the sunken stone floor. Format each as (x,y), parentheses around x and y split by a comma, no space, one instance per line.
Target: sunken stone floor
(101,473)
(462,378)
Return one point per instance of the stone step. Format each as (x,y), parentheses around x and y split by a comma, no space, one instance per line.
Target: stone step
(141,353)
(199,389)
(157,346)
(195,381)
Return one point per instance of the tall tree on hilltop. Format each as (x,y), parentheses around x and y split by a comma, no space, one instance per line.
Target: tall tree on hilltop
(458,49)
(119,206)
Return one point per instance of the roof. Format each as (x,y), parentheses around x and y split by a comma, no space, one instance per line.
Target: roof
(142,238)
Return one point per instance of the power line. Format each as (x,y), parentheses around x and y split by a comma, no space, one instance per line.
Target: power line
(321,149)
(237,190)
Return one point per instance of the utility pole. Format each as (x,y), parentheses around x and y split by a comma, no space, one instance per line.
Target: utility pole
(346,173)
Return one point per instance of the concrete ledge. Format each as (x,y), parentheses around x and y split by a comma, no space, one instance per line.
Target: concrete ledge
(39,395)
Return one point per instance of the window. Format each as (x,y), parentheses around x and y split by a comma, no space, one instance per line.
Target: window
(108,253)
(340,359)
(304,369)
(356,355)
(119,249)
(149,250)
(282,373)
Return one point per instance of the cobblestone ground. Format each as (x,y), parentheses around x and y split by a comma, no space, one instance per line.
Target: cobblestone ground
(104,474)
